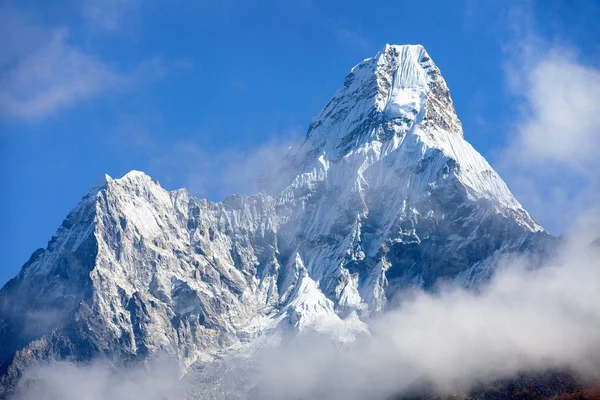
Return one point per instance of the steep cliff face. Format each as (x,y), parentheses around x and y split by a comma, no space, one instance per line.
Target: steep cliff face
(384,193)
(135,269)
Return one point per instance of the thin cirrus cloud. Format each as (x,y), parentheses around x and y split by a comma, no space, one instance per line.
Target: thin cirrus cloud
(190,160)
(351,38)
(43,72)
(210,172)
(108,16)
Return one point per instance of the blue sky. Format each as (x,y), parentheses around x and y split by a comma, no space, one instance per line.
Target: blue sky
(187,90)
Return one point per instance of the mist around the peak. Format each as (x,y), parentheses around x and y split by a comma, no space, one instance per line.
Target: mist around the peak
(525,319)
(102,379)
(528,318)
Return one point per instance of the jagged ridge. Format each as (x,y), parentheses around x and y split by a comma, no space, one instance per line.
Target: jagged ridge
(384,193)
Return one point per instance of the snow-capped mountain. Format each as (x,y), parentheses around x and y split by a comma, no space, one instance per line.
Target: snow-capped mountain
(383,194)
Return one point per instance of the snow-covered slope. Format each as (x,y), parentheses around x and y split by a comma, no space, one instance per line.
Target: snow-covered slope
(384,193)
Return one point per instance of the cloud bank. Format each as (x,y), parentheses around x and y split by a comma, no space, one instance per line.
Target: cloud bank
(526,319)
(157,380)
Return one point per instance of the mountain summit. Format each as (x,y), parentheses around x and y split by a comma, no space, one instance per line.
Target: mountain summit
(384,194)
(400,85)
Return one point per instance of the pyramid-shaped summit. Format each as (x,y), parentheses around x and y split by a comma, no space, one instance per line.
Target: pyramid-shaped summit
(401,85)
(383,195)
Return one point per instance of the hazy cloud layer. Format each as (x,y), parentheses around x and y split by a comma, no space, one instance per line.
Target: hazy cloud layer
(204,170)
(100,380)
(223,173)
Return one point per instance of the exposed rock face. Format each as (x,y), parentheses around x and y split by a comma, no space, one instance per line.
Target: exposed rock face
(384,193)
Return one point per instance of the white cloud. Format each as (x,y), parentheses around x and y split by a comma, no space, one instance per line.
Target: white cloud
(43,73)
(157,380)
(551,161)
(204,170)
(221,173)
(526,319)
(53,77)
(561,124)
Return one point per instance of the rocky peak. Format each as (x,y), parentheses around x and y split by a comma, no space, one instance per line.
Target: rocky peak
(384,194)
(382,97)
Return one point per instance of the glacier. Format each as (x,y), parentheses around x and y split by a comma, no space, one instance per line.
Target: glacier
(383,195)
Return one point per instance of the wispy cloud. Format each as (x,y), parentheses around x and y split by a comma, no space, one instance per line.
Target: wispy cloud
(108,15)
(204,170)
(552,159)
(43,72)
(350,37)
(561,114)
(219,174)
(158,380)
